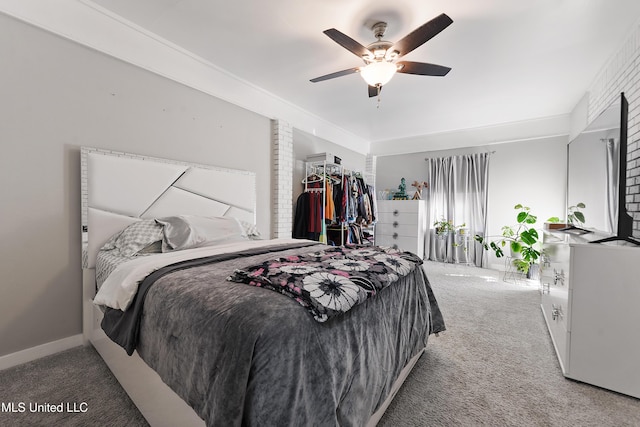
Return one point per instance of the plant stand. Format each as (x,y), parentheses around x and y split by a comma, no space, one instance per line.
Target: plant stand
(511,272)
(461,246)
(441,247)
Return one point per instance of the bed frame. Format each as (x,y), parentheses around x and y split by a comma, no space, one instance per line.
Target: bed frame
(119,189)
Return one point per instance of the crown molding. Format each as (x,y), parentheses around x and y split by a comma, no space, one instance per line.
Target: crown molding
(88,24)
(525,130)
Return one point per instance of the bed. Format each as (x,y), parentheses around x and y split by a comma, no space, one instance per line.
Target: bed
(234,331)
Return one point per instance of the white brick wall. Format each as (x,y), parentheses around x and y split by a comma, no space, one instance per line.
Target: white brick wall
(282,215)
(622,74)
(370,169)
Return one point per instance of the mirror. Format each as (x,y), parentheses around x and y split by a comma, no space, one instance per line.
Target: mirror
(593,170)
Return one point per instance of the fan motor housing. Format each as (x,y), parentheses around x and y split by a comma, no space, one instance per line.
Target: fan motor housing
(379,49)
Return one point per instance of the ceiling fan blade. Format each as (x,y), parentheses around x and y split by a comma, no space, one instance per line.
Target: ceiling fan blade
(336,74)
(422,68)
(422,34)
(374,91)
(347,42)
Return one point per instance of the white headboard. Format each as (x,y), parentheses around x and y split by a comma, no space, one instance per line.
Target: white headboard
(121,188)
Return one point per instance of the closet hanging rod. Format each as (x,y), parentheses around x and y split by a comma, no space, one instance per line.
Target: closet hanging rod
(315,178)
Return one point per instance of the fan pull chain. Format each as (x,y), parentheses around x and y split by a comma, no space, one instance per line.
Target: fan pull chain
(379,91)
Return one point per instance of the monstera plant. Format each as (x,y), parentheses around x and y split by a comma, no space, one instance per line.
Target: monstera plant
(521,238)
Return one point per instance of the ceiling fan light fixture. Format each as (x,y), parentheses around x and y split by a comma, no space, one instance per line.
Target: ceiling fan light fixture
(378,73)
(379,53)
(391,55)
(381,57)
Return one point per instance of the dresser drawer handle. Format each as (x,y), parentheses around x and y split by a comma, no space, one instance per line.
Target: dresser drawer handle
(395,235)
(395,223)
(545,288)
(395,246)
(396,212)
(556,312)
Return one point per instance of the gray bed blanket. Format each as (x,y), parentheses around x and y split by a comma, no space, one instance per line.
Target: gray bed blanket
(124,327)
(243,355)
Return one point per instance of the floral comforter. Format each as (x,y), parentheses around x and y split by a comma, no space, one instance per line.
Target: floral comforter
(331,281)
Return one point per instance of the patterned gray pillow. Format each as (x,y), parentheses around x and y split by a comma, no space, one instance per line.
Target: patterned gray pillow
(250,230)
(135,237)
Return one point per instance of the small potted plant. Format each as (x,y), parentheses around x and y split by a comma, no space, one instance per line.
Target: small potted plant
(443,227)
(575,217)
(522,238)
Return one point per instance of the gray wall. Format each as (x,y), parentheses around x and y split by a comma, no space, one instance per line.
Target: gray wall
(55,97)
(528,172)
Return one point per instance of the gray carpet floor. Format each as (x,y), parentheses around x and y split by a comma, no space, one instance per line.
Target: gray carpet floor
(494,366)
(74,376)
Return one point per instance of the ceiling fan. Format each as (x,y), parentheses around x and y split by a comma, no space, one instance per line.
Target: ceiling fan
(380,57)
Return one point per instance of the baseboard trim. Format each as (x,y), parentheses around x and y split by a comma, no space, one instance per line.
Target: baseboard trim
(33,353)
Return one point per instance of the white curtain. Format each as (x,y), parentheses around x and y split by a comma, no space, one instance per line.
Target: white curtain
(457,192)
(611,208)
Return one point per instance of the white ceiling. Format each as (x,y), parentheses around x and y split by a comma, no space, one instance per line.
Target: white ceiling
(511,60)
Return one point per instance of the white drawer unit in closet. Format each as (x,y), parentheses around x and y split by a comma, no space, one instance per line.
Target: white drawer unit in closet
(401,224)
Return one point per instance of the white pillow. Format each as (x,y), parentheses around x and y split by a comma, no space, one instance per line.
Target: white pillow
(188,231)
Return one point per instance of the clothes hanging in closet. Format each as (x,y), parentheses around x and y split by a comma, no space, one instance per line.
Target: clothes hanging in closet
(302,215)
(310,213)
(347,200)
(359,201)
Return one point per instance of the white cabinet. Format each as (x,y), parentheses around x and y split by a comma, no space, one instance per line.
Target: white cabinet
(591,304)
(401,224)
(554,278)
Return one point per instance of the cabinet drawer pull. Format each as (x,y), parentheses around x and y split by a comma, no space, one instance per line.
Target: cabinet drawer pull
(556,312)
(395,246)
(395,235)
(396,212)
(395,223)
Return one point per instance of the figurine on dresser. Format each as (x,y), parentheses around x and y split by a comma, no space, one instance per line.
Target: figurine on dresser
(418,186)
(401,194)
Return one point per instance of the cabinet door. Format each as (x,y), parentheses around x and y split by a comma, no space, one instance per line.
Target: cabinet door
(403,243)
(555,308)
(605,324)
(555,305)
(397,228)
(399,206)
(400,217)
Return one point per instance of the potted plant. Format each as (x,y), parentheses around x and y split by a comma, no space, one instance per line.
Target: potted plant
(575,217)
(522,238)
(444,227)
